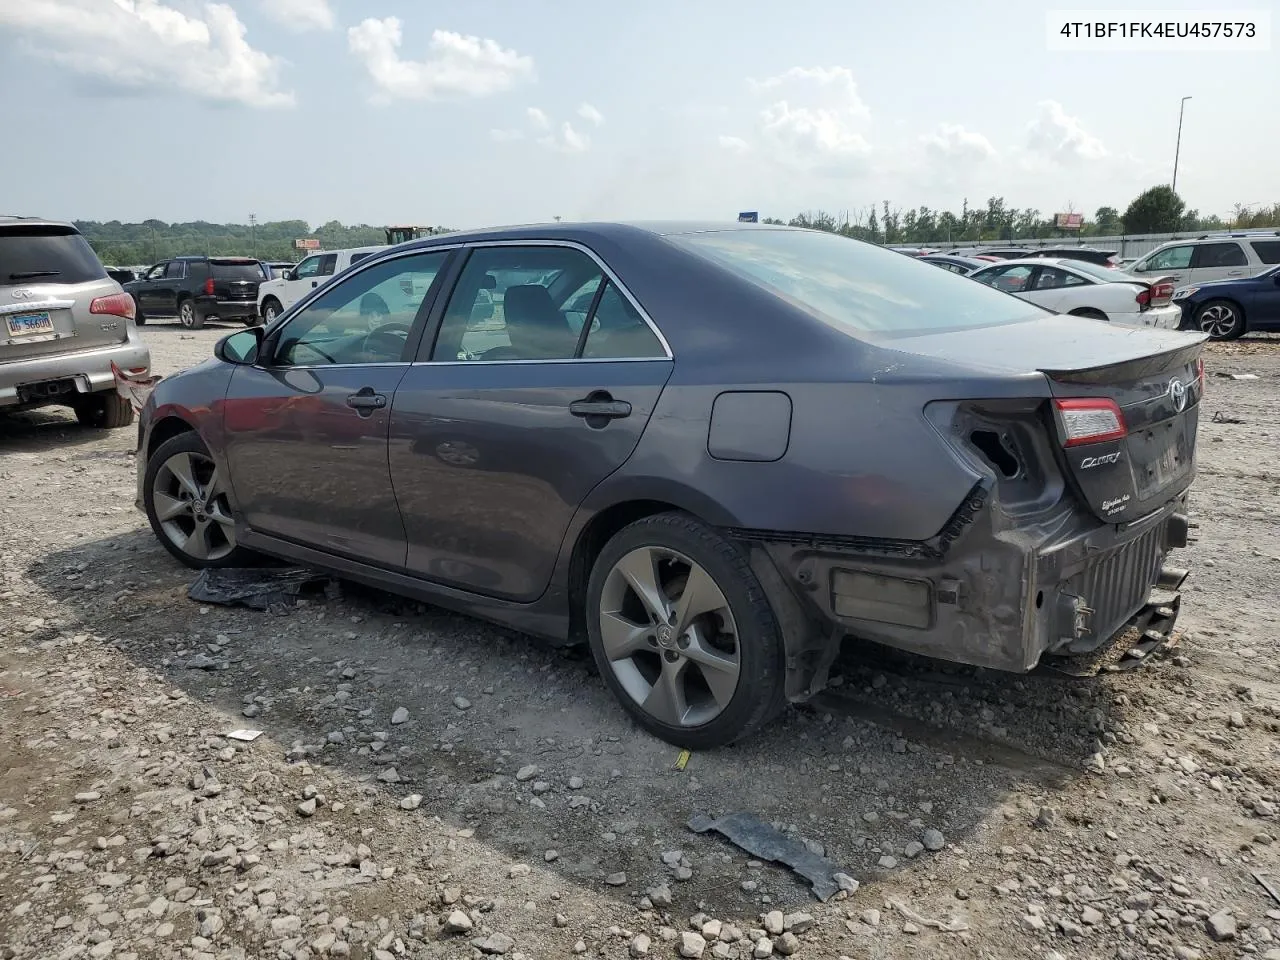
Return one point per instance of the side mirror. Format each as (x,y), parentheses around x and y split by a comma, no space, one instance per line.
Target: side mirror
(240,348)
(290,275)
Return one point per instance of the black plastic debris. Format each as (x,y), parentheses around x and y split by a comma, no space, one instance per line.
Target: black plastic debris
(759,839)
(259,588)
(1220,417)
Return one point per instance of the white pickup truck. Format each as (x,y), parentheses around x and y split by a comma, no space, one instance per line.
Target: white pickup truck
(277,296)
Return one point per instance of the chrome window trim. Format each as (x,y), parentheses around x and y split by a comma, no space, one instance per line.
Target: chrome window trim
(333,366)
(481,363)
(604,268)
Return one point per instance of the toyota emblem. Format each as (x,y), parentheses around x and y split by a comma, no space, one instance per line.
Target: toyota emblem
(23,293)
(1178,394)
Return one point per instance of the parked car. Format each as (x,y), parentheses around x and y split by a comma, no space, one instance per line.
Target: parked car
(662,478)
(196,289)
(1227,309)
(276,296)
(1086,290)
(961,265)
(1103,258)
(276,269)
(1190,262)
(63,322)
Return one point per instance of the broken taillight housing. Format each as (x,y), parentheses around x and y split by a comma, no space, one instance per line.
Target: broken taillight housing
(1090,421)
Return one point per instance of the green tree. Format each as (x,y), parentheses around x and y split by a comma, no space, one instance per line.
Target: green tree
(1158,210)
(1107,221)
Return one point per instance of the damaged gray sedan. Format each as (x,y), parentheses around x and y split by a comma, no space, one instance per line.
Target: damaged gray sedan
(714,453)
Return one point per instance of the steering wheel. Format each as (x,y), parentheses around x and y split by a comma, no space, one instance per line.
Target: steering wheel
(392,335)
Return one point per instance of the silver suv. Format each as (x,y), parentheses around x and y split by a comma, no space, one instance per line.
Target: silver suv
(1211,257)
(63,322)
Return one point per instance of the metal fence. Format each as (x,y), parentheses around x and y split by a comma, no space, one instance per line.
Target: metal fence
(1125,246)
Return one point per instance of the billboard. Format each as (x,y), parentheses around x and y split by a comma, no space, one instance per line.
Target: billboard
(749,216)
(306,243)
(1068,221)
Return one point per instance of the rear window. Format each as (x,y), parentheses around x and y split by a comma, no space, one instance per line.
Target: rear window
(236,269)
(1105,274)
(1268,251)
(357,257)
(856,285)
(46,255)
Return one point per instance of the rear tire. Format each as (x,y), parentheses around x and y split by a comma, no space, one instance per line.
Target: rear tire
(1221,320)
(104,411)
(188,315)
(1090,314)
(727,667)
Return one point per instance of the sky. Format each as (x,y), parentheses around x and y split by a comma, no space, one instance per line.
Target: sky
(510,111)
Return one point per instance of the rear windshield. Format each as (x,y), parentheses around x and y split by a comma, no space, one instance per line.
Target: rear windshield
(46,255)
(856,285)
(236,269)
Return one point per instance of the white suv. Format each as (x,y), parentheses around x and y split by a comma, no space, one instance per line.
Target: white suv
(1222,257)
(277,296)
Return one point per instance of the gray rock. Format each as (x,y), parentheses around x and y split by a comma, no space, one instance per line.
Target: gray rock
(888,863)
(389,775)
(774,923)
(692,945)
(659,896)
(846,883)
(527,772)
(575,783)
(462,703)
(787,944)
(933,840)
(202,661)
(1221,926)
(412,802)
(496,944)
(457,923)
(798,922)
(618,879)
(763,948)
(518,870)
(640,945)
(400,715)
(870,917)
(307,807)
(1091,916)
(913,849)
(286,926)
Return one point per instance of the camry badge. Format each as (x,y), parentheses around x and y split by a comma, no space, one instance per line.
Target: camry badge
(1178,394)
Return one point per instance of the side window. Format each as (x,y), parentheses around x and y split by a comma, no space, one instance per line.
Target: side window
(309,267)
(365,318)
(618,332)
(1219,255)
(517,303)
(357,257)
(1008,279)
(1268,251)
(156,272)
(174,269)
(328,263)
(1175,258)
(1051,278)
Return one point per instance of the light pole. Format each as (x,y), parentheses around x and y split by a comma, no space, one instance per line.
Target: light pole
(1178,148)
(253,226)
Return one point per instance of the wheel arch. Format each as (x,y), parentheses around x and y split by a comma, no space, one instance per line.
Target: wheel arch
(166,429)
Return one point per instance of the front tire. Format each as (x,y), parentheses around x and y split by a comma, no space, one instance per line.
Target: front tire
(104,410)
(187,502)
(189,316)
(1221,320)
(270,310)
(139,317)
(683,634)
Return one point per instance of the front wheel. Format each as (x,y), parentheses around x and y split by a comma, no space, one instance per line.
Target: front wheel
(139,317)
(1221,320)
(681,630)
(186,498)
(270,310)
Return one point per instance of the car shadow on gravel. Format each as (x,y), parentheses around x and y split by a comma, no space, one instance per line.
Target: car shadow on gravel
(523,744)
(45,430)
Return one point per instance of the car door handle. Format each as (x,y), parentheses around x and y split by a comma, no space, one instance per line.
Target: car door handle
(366,399)
(1235,273)
(600,405)
(313,282)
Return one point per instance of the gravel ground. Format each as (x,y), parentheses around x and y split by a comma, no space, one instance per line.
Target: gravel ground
(428,786)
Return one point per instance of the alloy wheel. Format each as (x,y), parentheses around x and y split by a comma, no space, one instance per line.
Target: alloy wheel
(669,636)
(186,313)
(1217,320)
(190,501)
(269,312)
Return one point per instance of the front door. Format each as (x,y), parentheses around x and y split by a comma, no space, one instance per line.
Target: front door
(146,288)
(306,430)
(531,396)
(1172,262)
(306,277)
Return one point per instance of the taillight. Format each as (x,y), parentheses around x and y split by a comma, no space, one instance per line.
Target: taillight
(208,287)
(117,305)
(1161,293)
(1144,299)
(1090,421)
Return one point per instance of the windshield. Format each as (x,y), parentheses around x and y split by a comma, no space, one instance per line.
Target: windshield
(46,254)
(856,285)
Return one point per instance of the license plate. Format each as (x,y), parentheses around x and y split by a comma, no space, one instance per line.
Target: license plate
(1170,465)
(25,324)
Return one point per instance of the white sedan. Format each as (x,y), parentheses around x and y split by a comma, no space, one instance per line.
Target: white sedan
(1086,290)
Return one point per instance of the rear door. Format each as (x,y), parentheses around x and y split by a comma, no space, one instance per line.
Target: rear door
(1225,260)
(520,408)
(1056,289)
(49,275)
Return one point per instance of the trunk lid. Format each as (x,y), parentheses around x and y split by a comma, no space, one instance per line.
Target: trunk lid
(1126,477)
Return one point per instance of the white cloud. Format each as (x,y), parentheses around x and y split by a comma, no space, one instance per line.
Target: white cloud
(734,144)
(591,114)
(146,45)
(300,15)
(456,65)
(952,142)
(820,125)
(538,118)
(567,140)
(1059,137)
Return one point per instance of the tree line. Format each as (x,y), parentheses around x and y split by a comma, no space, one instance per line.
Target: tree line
(127,244)
(1157,210)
